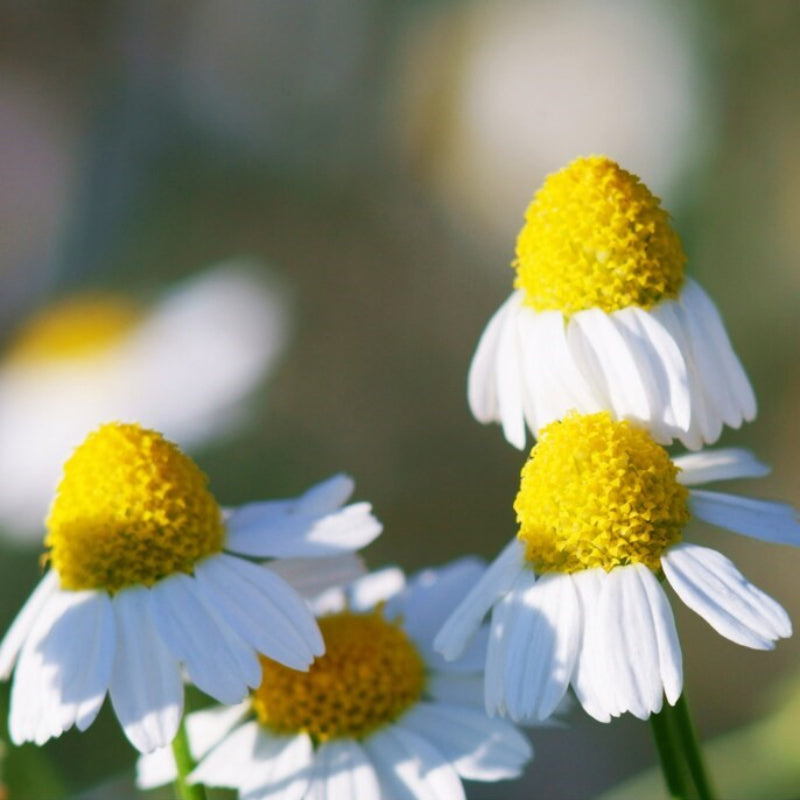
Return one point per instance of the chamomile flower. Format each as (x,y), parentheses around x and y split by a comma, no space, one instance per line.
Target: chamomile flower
(602,317)
(183,366)
(379,717)
(147,577)
(577,596)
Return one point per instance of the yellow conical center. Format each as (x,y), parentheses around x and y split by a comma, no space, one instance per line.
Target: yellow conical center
(370,674)
(131,509)
(595,237)
(75,328)
(598,493)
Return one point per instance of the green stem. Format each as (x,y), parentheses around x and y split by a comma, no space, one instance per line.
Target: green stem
(669,754)
(185,764)
(690,745)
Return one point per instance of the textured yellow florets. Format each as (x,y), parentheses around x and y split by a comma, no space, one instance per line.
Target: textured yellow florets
(369,675)
(595,237)
(598,493)
(75,328)
(130,509)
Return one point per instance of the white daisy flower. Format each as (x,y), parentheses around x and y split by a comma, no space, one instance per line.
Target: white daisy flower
(577,596)
(148,578)
(182,366)
(380,716)
(603,318)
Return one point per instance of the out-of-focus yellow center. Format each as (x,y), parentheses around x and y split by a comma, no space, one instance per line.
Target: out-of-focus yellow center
(131,509)
(79,327)
(370,674)
(598,493)
(595,237)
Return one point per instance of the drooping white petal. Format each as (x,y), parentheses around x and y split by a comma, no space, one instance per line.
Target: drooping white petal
(508,374)
(465,620)
(711,586)
(146,690)
(64,667)
(257,530)
(375,587)
(722,464)
(410,768)
(342,770)
(479,748)
(496,651)
(759,519)
(24,622)
(541,643)
(261,608)
(216,659)
(312,576)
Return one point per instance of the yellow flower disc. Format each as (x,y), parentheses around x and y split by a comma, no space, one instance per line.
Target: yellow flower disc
(598,493)
(595,237)
(75,328)
(370,674)
(131,509)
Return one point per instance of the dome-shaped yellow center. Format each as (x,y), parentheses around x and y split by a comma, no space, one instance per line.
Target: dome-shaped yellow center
(595,237)
(131,509)
(79,327)
(370,674)
(598,493)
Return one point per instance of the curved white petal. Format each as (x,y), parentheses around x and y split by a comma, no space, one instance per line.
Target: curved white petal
(342,770)
(229,763)
(24,622)
(541,644)
(376,587)
(313,576)
(508,374)
(261,608)
(216,659)
(282,768)
(465,620)
(146,690)
(328,495)
(722,464)
(480,749)
(711,586)
(758,519)
(410,768)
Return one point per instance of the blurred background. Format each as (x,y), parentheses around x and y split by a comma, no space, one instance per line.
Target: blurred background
(373,160)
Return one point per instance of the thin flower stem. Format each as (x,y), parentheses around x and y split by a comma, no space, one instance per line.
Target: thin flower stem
(690,745)
(185,764)
(669,754)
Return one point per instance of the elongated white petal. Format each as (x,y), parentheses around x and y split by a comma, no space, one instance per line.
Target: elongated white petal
(327,496)
(464,622)
(155,768)
(24,622)
(146,690)
(342,769)
(496,651)
(758,519)
(216,659)
(281,768)
(722,464)
(711,586)
(376,587)
(261,608)
(228,763)
(508,374)
(410,768)
(479,748)
(312,576)
(541,643)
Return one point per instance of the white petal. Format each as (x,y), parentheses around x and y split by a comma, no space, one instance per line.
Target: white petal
(711,586)
(342,770)
(281,768)
(210,726)
(541,644)
(497,648)
(261,608)
(376,587)
(24,622)
(216,659)
(146,690)
(257,530)
(508,374)
(758,519)
(312,576)
(229,764)
(480,749)
(410,768)
(464,622)
(456,689)
(64,667)
(155,768)
(722,464)
(328,495)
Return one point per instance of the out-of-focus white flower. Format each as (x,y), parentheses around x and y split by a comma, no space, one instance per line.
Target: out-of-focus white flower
(150,576)
(380,716)
(183,365)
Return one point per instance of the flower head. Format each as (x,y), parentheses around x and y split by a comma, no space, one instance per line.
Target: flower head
(604,318)
(577,598)
(380,715)
(144,582)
